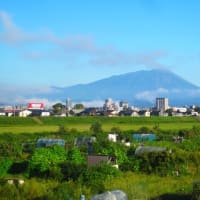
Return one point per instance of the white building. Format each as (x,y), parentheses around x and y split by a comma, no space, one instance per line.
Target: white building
(180,109)
(112,137)
(162,104)
(45,114)
(147,114)
(24,113)
(126,143)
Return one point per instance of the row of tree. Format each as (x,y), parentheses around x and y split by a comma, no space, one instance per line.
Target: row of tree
(60,108)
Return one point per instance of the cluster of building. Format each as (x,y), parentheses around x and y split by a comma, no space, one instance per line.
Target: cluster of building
(122,108)
(31,109)
(109,108)
(88,141)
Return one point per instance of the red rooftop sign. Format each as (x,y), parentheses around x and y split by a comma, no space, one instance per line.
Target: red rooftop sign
(35,106)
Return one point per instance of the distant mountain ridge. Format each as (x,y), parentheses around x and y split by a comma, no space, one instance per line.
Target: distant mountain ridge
(139,88)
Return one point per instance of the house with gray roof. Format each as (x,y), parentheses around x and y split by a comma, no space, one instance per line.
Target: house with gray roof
(140,150)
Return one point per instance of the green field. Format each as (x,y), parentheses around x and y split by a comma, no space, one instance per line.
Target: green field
(151,177)
(51,124)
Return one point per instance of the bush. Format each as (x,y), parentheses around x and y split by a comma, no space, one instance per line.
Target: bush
(163,163)
(71,170)
(74,155)
(18,167)
(44,159)
(9,192)
(5,165)
(95,176)
(10,149)
(96,128)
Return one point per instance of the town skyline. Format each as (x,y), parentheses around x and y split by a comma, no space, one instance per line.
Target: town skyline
(108,108)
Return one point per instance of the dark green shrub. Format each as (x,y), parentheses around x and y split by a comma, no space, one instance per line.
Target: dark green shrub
(96,128)
(18,167)
(5,164)
(95,176)
(72,170)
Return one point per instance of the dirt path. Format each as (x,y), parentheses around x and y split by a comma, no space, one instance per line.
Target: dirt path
(37,120)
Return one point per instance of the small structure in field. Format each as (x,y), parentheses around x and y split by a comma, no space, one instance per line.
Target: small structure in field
(112,137)
(47,142)
(11,181)
(148,149)
(111,195)
(98,159)
(177,139)
(141,137)
(84,140)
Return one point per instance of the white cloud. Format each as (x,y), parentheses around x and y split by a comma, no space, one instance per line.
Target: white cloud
(151,95)
(78,45)
(118,58)
(95,103)
(17,94)
(13,35)
(22,100)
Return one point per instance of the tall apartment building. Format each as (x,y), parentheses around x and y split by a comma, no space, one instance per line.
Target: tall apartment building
(109,105)
(68,104)
(123,104)
(162,104)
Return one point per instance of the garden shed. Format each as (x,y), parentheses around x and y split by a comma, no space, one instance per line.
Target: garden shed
(46,142)
(97,159)
(139,137)
(148,149)
(84,140)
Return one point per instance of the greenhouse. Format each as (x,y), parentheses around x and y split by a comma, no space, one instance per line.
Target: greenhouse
(148,149)
(50,142)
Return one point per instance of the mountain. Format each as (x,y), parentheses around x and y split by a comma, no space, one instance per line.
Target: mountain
(138,88)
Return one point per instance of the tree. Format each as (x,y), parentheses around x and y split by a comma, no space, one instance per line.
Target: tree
(5,165)
(95,176)
(156,128)
(72,170)
(197,109)
(58,108)
(79,106)
(96,127)
(44,159)
(10,149)
(74,155)
(169,111)
(116,130)
(144,129)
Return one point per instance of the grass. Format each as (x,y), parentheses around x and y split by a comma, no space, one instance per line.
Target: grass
(143,187)
(28,129)
(137,186)
(51,124)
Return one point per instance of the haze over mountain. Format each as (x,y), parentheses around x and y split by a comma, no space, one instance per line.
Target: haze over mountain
(138,88)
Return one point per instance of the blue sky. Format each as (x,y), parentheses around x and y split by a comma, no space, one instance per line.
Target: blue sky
(61,43)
